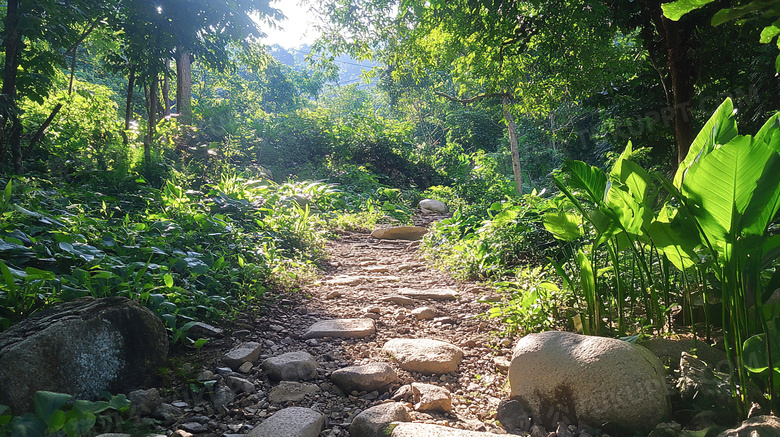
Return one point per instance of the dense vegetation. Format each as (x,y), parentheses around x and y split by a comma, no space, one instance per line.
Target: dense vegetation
(588,150)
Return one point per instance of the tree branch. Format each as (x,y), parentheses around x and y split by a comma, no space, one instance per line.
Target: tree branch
(475,98)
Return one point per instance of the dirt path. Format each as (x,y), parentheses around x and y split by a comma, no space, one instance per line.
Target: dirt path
(364,272)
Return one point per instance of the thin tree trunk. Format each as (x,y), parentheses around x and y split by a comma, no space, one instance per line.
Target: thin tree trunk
(166,90)
(682,71)
(510,124)
(12,39)
(41,130)
(129,102)
(151,122)
(184,86)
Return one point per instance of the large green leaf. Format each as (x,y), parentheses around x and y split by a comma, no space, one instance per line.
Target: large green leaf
(729,14)
(765,201)
(678,247)
(675,10)
(769,132)
(719,129)
(589,178)
(564,226)
(629,213)
(47,403)
(720,185)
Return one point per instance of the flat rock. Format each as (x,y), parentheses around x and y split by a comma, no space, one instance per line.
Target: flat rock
(200,329)
(369,377)
(345,280)
(601,381)
(291,422)
(289,391)
(410,233)
(397,299)
(429,397)
(243,353)
(342,328)
(374,421)
(424,355)
(291,366)
(432,294)
(427,430)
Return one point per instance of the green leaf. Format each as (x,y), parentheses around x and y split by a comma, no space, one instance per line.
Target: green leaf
(7,192)
(675,10)
(729,14)
(720,186)
(90,407)
(168,280)
(770,32)
(27,426)
(119,403)
(79,424)
(199,343)
(564,226)
(8,277)
(56,421)
(719,129)
(585,176)
(45,403)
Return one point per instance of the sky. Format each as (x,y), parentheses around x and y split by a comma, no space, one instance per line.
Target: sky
(297,29)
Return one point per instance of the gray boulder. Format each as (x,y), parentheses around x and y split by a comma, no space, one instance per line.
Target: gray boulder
(374,421)
(595,381)
(433,206)
(244,353)
(291,422)
(428,430)
(291,366)
(81,348)
(429,397)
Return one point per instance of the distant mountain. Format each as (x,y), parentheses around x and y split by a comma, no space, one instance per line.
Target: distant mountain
(350,70)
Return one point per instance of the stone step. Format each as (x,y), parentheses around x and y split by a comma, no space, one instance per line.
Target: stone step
(342,328)
(432,294)
(408,429)
(426,356)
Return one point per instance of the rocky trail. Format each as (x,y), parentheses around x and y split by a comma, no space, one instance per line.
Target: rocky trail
(342,346)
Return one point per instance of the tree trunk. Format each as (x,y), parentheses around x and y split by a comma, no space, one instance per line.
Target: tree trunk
(166,90)
(151,122)
(12,40)
(510,124)
(683,73)
(184,86)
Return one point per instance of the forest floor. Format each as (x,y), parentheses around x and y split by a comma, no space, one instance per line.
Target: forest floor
(363,272)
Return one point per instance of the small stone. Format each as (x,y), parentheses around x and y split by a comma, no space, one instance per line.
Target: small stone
(433,206)
(168,413)
(502,364)
(511,414)
(291,422)
(206,375)
(538,431)
(345,281)
(375,420)
(409,233)
(428,397)
(245,352)
(377,269)
(194,427)
(200,329)
(444,320)
(563,430)
(424,313)
(221,397)
(291,366)
(246,367)
(241,333)
(180,404)
(143,402)
(240,384)
(333,294)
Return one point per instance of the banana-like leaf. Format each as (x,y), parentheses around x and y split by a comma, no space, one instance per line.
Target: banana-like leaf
(589,178)
(564,226)
(720,129)
(672,244)
(765,201)
(634,177)
(770,132)
(720,185)
(629,213)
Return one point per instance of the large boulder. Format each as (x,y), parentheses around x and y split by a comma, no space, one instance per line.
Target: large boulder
(595,381)
(81,348)
(433,206)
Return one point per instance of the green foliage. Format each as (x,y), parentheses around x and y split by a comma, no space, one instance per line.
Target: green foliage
(716,219)
(55,415)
